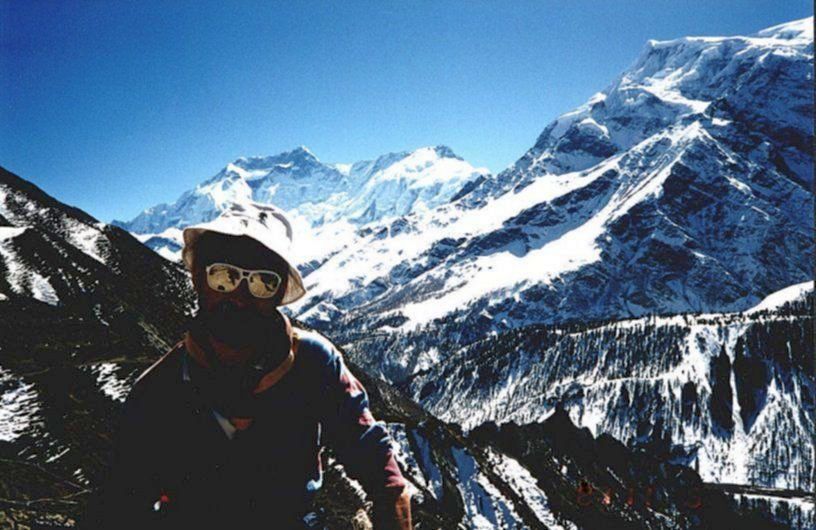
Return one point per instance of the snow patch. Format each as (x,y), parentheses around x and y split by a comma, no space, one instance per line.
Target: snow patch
(782,297)
(404,455)
(110,381)
(428,465)
(19,407)
(525,485)
(87,238)
(22,279)
(485,506)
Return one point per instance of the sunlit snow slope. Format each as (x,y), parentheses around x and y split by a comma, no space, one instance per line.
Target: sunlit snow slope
(683,186)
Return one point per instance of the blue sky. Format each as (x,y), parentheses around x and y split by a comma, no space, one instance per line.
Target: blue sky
(116,106)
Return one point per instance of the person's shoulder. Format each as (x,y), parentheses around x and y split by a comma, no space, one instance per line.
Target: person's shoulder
(315,346)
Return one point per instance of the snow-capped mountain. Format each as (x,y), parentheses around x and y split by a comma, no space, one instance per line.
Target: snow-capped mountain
(394,184)
(86,308)
(720,78)
(683,186)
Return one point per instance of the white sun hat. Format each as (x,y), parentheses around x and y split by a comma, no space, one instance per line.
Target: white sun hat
(265,224)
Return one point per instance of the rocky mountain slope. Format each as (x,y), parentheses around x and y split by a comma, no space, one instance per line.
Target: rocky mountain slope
(731,395)
(68,277)
(68,361)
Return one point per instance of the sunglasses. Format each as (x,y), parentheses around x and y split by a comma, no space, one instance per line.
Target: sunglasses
(225,278)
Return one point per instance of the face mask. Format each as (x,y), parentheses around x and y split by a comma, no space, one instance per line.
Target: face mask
(229,388)
(240,328)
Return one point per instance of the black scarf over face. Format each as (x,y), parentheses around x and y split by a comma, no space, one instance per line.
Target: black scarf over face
(228,388)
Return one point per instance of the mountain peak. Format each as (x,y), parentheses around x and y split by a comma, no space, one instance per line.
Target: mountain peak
(443,151)
(302,151)
(801,29)
(254,166)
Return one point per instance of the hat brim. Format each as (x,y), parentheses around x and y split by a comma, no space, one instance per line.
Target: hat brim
(294,285)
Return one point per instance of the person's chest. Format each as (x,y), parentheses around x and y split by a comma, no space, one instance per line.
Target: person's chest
(203,469)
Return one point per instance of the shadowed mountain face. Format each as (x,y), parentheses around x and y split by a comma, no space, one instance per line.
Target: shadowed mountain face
(75,296)
(72,346)
(604,485)
(64,274)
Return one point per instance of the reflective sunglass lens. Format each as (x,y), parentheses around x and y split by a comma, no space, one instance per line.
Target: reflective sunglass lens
(263,284)
(222,278)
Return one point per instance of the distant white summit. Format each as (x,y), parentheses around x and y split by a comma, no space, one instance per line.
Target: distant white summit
(391,185)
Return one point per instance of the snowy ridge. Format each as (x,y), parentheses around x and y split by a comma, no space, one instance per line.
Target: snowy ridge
(575,248)
(798,513)
(670,80)
(730,393)
(780,298)
(86,235)
(423,180)
(392,185)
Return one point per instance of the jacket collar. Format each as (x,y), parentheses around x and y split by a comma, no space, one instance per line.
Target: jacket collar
(200,349)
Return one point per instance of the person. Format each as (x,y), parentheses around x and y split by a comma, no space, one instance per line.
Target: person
(226,430)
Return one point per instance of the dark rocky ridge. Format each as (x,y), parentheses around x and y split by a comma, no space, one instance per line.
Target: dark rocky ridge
(607,485)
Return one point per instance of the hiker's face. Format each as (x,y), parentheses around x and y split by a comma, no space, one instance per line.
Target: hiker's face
(242,252)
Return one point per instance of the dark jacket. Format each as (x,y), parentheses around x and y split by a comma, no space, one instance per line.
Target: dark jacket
(176,467)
